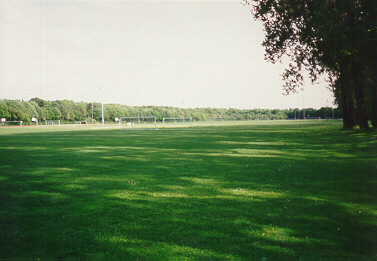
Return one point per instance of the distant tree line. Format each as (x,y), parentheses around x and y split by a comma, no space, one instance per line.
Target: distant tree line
(70,111)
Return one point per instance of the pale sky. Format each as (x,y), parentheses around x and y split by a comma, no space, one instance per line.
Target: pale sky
(172,53)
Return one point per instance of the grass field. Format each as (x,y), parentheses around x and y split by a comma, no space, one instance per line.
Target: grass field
(279,191)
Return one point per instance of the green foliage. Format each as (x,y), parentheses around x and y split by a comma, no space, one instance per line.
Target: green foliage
(336,37)
(97,111)
(71,111)
(4,113)
(39,101)
(81,111)
(52,111)
(16,111)
(251,192)
(38,110)
(68,109)
(30,110)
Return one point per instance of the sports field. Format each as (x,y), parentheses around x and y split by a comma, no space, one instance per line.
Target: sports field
(248,191)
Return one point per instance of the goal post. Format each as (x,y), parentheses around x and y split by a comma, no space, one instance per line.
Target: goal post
(138,123)
(52,122)
(176,120)
(11,123)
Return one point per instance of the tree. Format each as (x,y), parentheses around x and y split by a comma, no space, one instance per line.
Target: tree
(81,111)
(38,109)
(30,111)
(4,113)
(52,111)
(39,101)
(16,111)
(67,109)
(97,111)
(323,36)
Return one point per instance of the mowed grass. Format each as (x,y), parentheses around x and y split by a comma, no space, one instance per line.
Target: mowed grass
(243,192)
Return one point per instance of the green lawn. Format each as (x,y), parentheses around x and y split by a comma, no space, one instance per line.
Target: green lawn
(218,192)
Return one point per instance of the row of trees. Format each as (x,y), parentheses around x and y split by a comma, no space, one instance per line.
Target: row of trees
(70,111)
(337,38)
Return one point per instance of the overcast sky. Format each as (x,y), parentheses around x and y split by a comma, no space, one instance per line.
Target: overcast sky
(174,53)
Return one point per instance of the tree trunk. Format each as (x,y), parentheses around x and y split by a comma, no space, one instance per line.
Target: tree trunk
(374,107)
(373,53)
(374,98)
(361,117)
(348,110)
(348,107)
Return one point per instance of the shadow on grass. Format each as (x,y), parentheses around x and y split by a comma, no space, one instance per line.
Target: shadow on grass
(219,193)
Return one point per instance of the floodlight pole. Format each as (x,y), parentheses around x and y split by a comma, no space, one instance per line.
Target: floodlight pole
(303,102)
(103,120)
(183,110)
(92,112)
